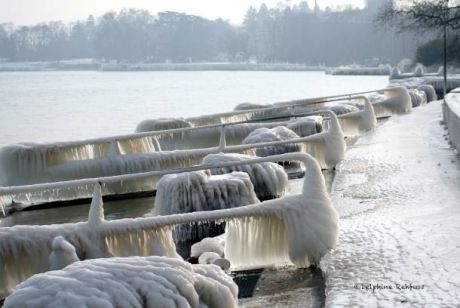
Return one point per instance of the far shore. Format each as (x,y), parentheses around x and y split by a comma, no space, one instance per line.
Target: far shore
(93,65)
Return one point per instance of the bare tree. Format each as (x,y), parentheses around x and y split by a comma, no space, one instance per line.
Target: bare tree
(439,15)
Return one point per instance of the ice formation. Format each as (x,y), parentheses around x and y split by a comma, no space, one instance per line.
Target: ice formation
(395,73)
(358,122)
(161,124)
(297,229)
(63,254)
(96,209)
(25,164)
(417,97)
(200,191)
(419,71)
(430,92)
(306,126)
(398,102)
(328,147)
(343,109)
(279,133)
(213,258)
(128,282)
(209,244)
(269,179)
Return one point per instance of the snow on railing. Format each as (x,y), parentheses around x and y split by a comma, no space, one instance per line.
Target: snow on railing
(297,229)
(328,147)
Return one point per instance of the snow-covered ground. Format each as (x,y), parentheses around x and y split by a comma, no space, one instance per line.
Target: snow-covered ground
(397,192)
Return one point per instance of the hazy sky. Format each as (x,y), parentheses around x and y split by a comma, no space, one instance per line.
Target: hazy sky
(25,12)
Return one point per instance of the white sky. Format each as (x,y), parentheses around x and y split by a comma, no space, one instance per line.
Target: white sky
(26,12)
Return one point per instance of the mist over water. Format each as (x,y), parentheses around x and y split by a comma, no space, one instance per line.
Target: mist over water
(62,106)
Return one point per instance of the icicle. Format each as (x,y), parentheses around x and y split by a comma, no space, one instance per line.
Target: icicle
(96,210)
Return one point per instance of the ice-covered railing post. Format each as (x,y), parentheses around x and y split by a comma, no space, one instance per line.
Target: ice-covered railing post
(356,123)
(222,141)
(298,229)
(398,102)
(96,209)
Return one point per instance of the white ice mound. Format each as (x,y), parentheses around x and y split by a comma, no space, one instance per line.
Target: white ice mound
(417,97)
(161,124)
(208,244)
(201,191)
(128,282)
(63,254)
(269,179)
(306,126)
(430,92)
(279,133)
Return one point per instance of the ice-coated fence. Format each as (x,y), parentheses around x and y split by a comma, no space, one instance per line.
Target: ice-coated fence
(328,147)
(141,152)
(297,229)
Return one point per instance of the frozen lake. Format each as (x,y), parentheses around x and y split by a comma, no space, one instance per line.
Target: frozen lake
(60,106)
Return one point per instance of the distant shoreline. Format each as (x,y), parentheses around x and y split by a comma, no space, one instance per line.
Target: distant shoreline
(89,65)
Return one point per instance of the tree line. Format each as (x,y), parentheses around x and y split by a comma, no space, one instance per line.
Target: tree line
(294,34)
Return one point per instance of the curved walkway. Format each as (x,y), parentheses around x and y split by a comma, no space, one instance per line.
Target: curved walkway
(398,193)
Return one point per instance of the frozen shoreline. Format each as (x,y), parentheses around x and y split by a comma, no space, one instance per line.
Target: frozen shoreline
(397,194)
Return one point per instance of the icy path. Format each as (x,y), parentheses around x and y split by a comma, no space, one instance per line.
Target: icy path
(398,193)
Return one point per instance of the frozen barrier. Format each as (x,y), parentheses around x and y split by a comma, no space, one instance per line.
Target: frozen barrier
(429,91)
(23,164)
(398,102)
(129,282)
(328,147)
(417,97)
(297,229)
(451,114)
(209,136)
(359,122)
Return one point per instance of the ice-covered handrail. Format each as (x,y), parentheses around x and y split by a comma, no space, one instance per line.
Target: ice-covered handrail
(398,103)
(282,105)
(297,228)
(134,176)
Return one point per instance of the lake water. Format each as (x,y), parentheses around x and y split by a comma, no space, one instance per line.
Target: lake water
(61,106)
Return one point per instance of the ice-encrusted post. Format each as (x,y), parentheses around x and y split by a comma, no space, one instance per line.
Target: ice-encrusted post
(96,210)
(222,142)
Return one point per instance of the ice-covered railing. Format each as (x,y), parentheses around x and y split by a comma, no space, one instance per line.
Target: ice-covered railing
(396,101)
(297,229)
(31,158)
(26,163)
(133,173)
